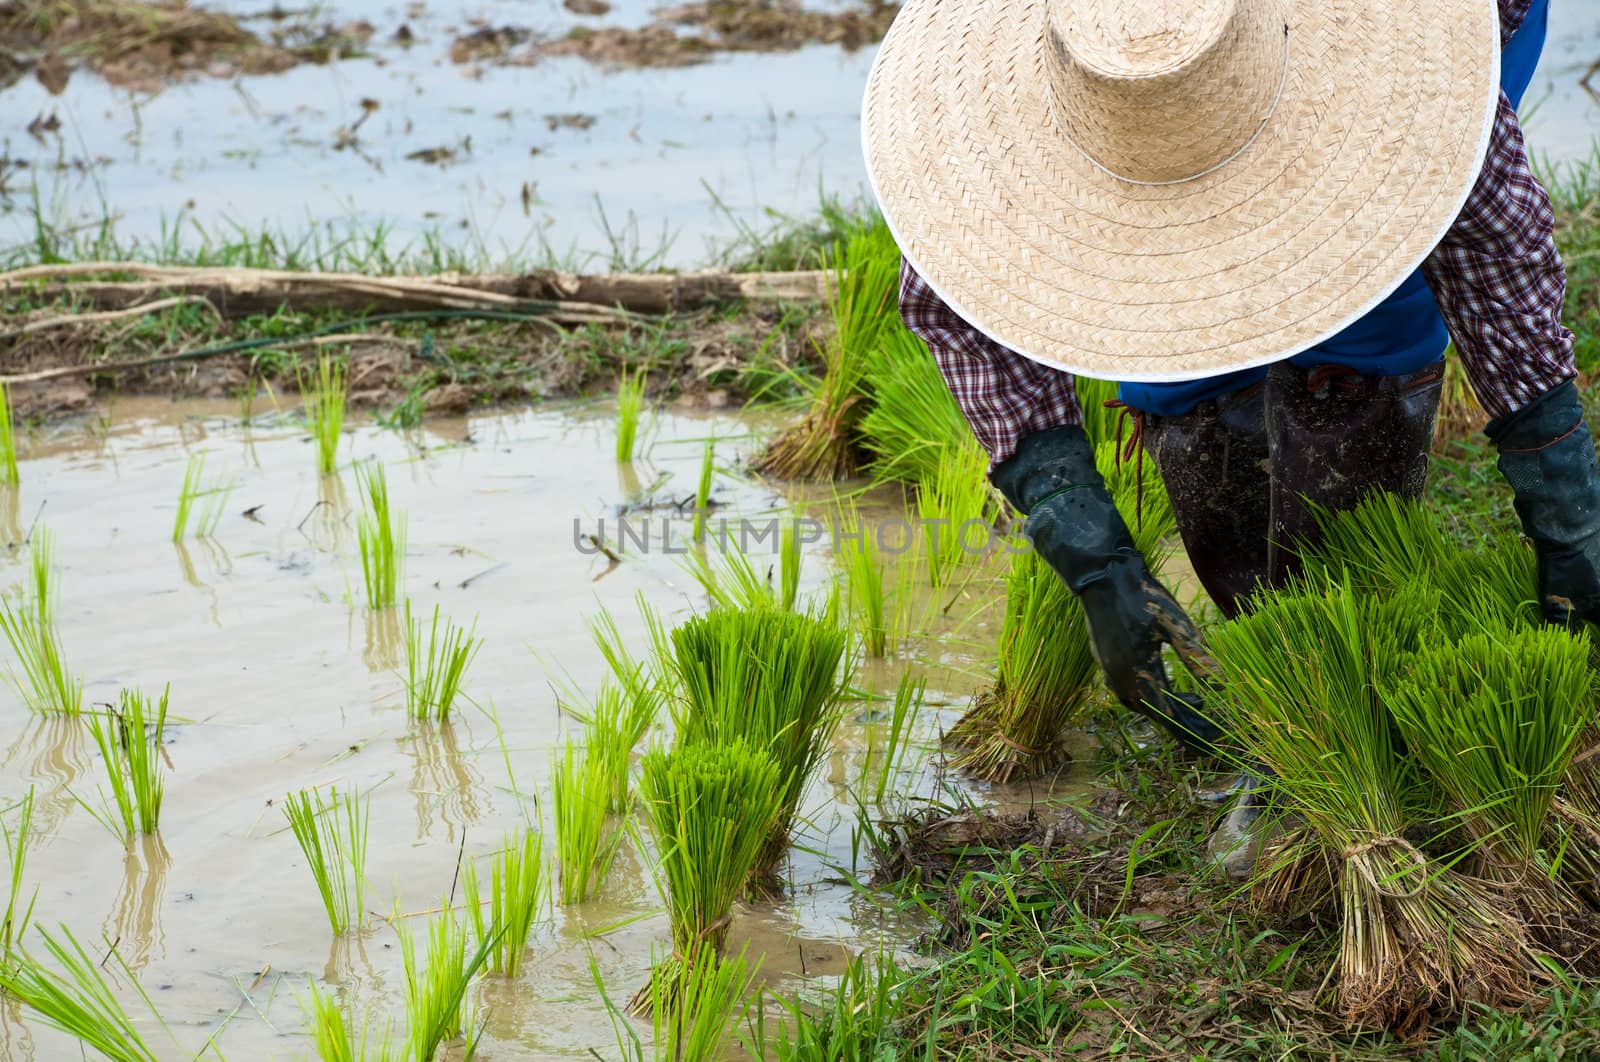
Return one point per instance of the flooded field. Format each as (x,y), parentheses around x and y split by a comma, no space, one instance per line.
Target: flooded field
(281,679)
(518,127)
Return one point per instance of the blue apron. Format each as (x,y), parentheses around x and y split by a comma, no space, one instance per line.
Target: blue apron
(1404,332)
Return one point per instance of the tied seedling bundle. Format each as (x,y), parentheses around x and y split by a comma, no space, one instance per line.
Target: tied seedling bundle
(1014,729)
(1419,728)
(765,676)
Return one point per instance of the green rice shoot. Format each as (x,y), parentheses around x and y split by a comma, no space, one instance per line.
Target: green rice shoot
(617,722)
(702,494)
(435,667)
(865,587)
(129,738)
(199,501)
(438,1009)
(323,401)
(381,536)
(332,833)
(8,441)
(630,408)
(693,1016)
(519,889)
(957,497)
(586,839)
(45,684)
(886,762)
(17,840)
(338,1039)
(913,424)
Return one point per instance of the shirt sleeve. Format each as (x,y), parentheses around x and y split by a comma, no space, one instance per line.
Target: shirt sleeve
(1003,395)
(1498,278)
(1512,12)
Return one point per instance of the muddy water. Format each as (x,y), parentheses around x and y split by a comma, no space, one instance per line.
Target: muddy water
(280,680)
(751,131)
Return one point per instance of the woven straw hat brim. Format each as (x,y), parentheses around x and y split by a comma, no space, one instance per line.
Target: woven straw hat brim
(1368,156)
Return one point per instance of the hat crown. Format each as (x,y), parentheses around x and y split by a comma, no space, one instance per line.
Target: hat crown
(1159,91)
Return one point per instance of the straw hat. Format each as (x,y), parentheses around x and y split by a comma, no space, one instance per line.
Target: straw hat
(1169,189)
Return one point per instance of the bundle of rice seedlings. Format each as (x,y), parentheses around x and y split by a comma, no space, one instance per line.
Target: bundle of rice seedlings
(519,888)
(586,841)
(957,497)
(45,684)
(711,808)
(630,406)
(434,669)
(332,833)
(1495,719)
(8,441)
(1047,672)
(74,995)
(914,422)
(617,721)
(130,746)
(864,274)
(381,536)
(1303,672)
(766,677)
(694,1025)
(338,1039)
(194,490)
(323,401)
(1386,540)
(437,1006)
(17,916)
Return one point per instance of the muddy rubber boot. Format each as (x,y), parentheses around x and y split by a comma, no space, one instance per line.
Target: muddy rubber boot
(1213,460)
(1333,436)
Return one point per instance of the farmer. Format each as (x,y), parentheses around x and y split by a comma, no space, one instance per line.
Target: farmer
(1224,204)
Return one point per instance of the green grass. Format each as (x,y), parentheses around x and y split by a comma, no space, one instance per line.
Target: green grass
(73,994)
(45,685)
(212,498)
(438,1008)
(322,396)
(519,889)
(8,441)
(630,408)
(129,738)
(332,834)
(338,1039)
(435,668)
(381,537)
(17,916)
(581,787)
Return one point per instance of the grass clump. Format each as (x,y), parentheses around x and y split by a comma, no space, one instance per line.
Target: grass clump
(519,888)
(766,677)
(381,536)
(332,833)
(435,668)
(45,683)
(212,498)
(618,721)
(1047,670)
(712,809)
(334,1031)
(77,998)
(586,842)
(630,407)
(9,473)
(437,1007)
(692,1019)
(323,397)
(129,738)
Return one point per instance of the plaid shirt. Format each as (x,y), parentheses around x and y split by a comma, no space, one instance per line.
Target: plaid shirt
(1496,277)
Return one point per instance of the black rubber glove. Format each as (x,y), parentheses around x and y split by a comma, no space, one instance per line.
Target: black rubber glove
(1074,525)
(1547,455)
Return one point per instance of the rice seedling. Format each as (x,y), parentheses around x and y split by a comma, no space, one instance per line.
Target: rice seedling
(617,721)
(437,1007)
(381,534)
(8,441)
(1303,672)
(789,558)
(702,494)
(1495,719)
(864,275)
(338,1039)
(885,762)
(332,833)
(956,497)
(586,843)
(130,747)
(865,589)
(740,582)
(16,917)
(212,498)
(45,684)
(519,888)
(712,997)
(323,399)
(76,997)
(850,1024)
(712,809)
(637,678)
(914,422)
(630,406)
(1047,671)
(764,676)
(435,668)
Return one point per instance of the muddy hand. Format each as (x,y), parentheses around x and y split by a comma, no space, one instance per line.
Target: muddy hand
(1075,526)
